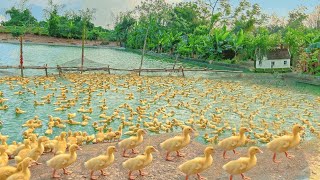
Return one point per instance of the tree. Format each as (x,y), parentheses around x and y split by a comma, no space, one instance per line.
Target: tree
(20,17)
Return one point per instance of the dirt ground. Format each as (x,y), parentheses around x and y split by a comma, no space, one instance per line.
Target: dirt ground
(305,165)
(30,38)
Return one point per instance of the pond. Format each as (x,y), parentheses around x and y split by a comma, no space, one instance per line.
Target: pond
(250,100)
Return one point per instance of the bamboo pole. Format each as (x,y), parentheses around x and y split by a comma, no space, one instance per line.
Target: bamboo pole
(109,69)
(46,70)
(21,56)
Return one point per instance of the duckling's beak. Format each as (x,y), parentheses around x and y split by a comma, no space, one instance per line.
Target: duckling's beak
(156,150)
(79,148)
(249,130)
(260,151)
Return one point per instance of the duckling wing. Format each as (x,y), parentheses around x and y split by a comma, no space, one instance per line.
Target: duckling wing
(236,166)
(280,144)
(192,166)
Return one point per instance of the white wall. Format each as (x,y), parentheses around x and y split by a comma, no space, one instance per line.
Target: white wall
(278,63)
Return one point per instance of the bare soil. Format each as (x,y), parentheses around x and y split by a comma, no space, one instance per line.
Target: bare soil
(305,164)
(30,38)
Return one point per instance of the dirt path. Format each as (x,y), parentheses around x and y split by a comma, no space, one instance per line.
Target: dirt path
(30,38)
(305,165)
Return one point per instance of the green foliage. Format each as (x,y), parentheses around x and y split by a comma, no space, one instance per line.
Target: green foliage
(20,18)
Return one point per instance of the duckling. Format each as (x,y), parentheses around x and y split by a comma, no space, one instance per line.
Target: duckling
(286,142)
(139,162)
(176,143)
(4,107)
(19,111)
(242,164)
(198,165)
(233,142)
(36,152)
(73,115)
(11,148)
(101,162)
(132,142)
(7,171)
(4,158)
(23,172)
(61,144)
(24,151)
(62,161)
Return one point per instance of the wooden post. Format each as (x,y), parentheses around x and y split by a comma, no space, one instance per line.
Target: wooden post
(46,69)
(21,57)
(109,69)
(59,69)
(182,70)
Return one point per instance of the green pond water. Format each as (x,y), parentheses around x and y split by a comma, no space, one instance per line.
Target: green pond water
(276,92)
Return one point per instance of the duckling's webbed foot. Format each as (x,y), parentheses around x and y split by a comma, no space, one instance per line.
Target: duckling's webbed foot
(180,154)
(92,176)
(245,178)
(131,177)
(168,158)
(289,156)
(142,173)
(54,175)
(234,152)
(65,171)
(224,155)
(134,151)
(274,158)
(103,173)
(200,177)
(124,154)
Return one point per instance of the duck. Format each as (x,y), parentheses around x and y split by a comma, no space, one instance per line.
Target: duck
(132,142)
(11,148)
(62,161)
(285,143)
(7,171)
(233,142)
(198,165)
(36,152)
(139,162)
(101,162)
(177,143)
(61,144)
(4,107)
(4,158)
(72,115)
(243,164)
(23,152)
(23,172)
(19,111)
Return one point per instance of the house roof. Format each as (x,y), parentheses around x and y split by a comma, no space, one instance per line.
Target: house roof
(278,54)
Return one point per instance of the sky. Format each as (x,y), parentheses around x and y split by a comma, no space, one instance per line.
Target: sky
(106,10)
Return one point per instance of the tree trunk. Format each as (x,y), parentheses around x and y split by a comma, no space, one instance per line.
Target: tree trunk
(143,50)
(21,56)
(82,54)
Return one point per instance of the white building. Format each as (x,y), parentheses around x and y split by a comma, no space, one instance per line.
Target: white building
(278,58)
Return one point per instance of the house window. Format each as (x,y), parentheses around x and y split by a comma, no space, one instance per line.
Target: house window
(285,62)
(272,64)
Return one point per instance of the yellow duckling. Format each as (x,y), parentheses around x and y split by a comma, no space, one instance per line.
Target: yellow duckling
(176,143)
(7,171)
(139,162)
(62,161)
(19,111)
(198,165)
(23,172)
(101,162)
(286,142)
(132,142)
(36,152)
(242,164)
(49,130)
(23,152)
(4,158)
(11,148)
(73,115)
(61,144)
(4,107)
(233,142)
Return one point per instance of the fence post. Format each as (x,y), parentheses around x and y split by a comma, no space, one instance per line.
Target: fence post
(46,69)
(109,69)
(182,70)
(59,69)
